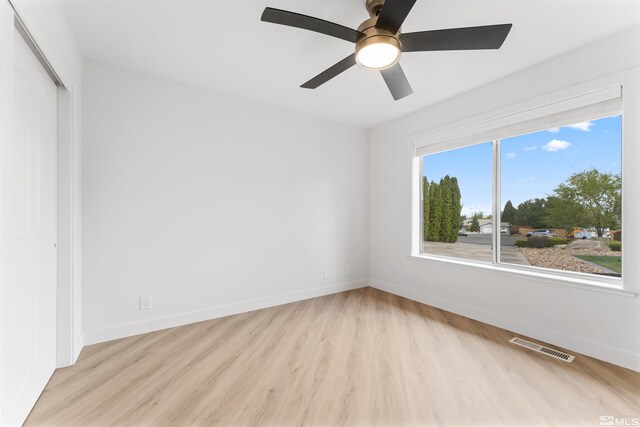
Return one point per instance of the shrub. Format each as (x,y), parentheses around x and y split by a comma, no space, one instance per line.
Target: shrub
(615,246)
(552,241)
(538,241)
(541,242)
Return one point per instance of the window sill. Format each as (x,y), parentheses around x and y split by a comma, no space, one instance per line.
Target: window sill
(549,277)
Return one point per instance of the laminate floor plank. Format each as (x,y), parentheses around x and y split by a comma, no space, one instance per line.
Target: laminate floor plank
(357,358)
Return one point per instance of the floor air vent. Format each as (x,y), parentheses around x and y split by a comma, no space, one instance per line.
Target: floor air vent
(544,350)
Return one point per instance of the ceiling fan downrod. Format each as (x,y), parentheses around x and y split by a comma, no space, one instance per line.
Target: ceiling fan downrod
(374,7)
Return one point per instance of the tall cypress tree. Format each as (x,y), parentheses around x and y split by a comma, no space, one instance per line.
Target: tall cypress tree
(445,218)
(508,213)
(432,210)
(435,212)
(456,209)
(425,208)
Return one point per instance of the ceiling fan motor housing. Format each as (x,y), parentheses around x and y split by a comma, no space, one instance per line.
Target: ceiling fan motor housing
(373,35)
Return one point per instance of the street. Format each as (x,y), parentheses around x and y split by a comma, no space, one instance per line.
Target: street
(485,239)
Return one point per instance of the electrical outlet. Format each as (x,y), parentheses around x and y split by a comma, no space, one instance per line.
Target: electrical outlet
(347,270)
(146,302)
(325,274)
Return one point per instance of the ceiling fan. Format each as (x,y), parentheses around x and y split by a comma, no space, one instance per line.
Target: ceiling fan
(380,42)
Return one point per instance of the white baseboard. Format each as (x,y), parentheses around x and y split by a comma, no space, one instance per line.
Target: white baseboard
(77,347)
(590,348)
(159,323)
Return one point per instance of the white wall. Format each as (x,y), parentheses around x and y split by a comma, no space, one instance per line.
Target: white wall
(211,204)
(604,325)
(48,25)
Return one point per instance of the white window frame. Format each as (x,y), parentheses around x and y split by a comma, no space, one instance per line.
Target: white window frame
(593,105)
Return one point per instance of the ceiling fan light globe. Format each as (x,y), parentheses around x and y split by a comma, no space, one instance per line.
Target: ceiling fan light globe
(378,52)
(377,56)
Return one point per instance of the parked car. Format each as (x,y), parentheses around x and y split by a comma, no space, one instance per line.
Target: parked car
(462,232)
(542,232)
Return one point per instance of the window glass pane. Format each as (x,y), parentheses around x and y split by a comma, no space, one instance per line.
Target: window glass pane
(561,198)
(457,193)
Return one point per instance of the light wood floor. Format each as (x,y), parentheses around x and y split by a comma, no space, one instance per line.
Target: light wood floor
(362,357)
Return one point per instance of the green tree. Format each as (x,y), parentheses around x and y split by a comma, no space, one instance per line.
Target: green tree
(531,213)
(475,225)
(594,196)
(456,209)
(565,214)
(441,209)
(463,218)
(425,209)
(435,212)
(446,218)
(508,213)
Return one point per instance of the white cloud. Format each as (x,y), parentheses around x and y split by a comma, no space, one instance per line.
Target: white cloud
(556,145)
(510,155)
(583,126)
(533,147)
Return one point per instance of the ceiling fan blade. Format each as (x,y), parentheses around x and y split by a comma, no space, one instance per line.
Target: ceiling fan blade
(310,23)
(396,82)
(331,72)
(393,14)
(470,38)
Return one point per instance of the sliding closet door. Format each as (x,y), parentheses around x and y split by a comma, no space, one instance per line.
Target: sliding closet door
(28,237)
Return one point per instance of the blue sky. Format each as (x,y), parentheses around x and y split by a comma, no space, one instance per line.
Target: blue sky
(533,164)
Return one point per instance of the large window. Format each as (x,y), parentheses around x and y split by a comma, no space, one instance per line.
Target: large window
(549,199)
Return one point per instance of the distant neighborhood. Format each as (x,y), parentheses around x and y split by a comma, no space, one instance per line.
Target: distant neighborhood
(486,227)
(587,205)
(578,228)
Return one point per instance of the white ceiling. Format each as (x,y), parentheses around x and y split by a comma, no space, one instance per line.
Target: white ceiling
(224,46)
